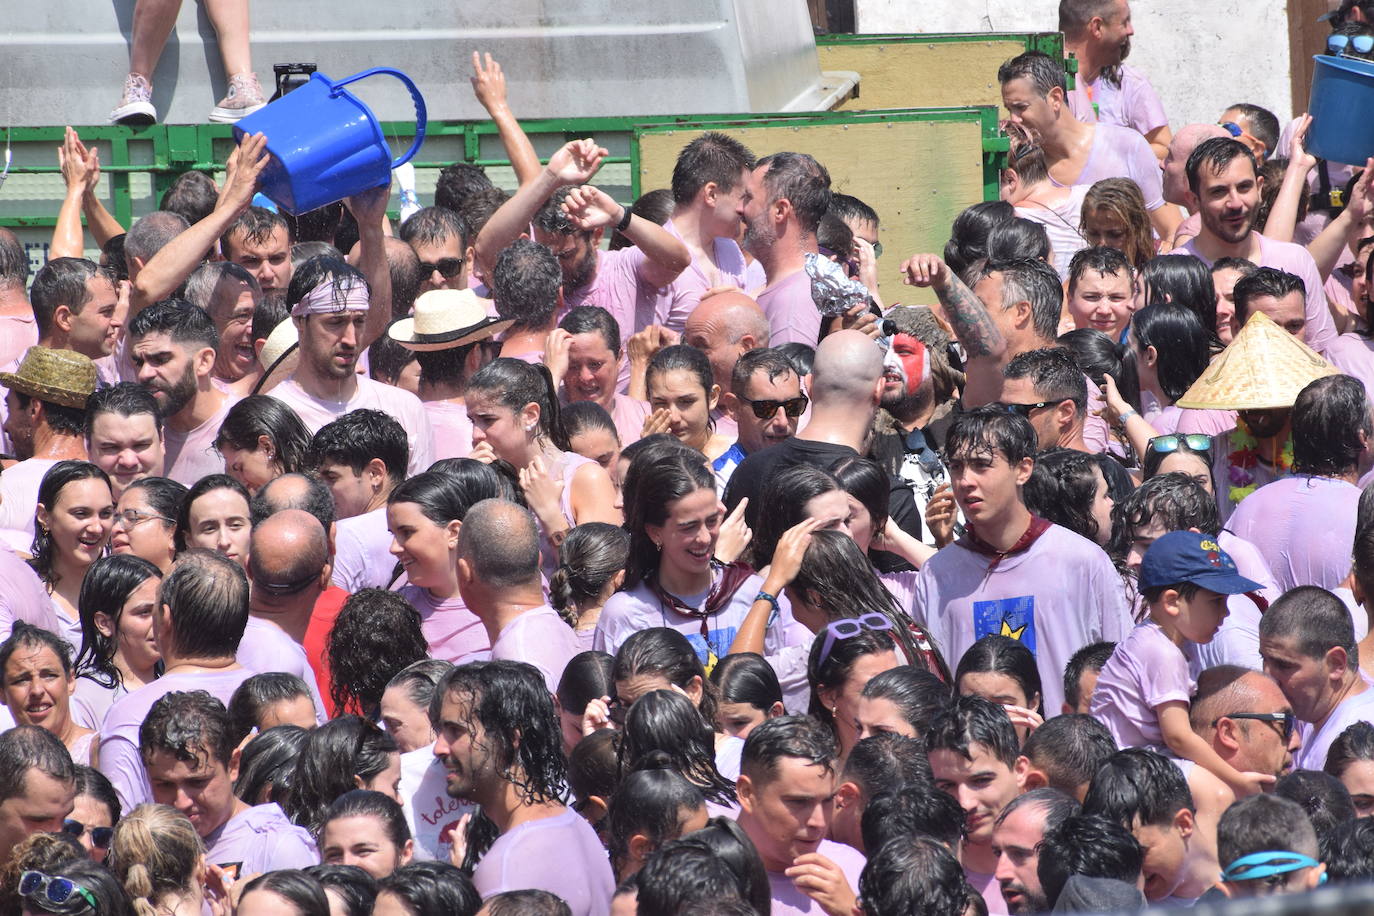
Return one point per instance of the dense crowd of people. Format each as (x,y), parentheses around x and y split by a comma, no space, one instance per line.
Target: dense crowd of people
(467,564)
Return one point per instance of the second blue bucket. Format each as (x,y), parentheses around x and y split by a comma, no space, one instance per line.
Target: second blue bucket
(325,143)
(1342,109)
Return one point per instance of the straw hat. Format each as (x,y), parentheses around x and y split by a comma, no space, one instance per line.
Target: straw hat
(62,377)
(446,318)
(1264,367)
(280,354)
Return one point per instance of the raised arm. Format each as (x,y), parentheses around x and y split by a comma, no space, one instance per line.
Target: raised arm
(170,267)
(983,343)
(369,209)
(80,170)
(665,255)
(1283,215)
(489,85)
(574,163)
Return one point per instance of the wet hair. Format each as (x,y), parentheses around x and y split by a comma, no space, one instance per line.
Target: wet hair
(433,226)
(913,874)
(664,729)
(432,889)
(513,383)
(594,770)
(1264,823)
(1181,341)
(14,260)
(255,225)
(665,652)
(1315,620)
(1089,658)
(1101,260)
(500,542)
(260,415)
(191,725)
(681,357)
(27,636)
(164,495)
(1039,69)
(126,399)
(970,719)
(204,280)
(650,486)
(866,481)
(711,157)
(255,696)
(1069,749)
(1353,745)
(1136,786)
(593,319)
(530,901)
(909,809)
(183,323)
(358,437)
(1089,845)
(852,210)
(651,802)
(444,496)
(1323,797)
(985,431)
(746,677)
(334,754)
(585,417)
(354,888)
(387,359)
(366,803)
(1018,238)
(682,872)
(207,484)
(1174,501)
(208,596)
(324,270)
(1097,356)
(1026,280)
(1263,124)
(1062,489)
(1003,655)
(801,356)
(155,852)
(726,839)
(968,241)
(1121,199)
(376,636)
(1216,154)
(57,478)
(268,764)
(525,283)
(267,314)
(457,182)
(832,671)
(885,762)
(151,233)
(918,694)
(420,679)
(1183,282)
(1053,374)
(1057,806)
(783,505)
(586,677)
(304,251)
(112,253)
(305,894)
(799,737)
(800,180)
(479,207)
(834,237)
(768,360)
(26,747)
(656,206)
(91,783)
(1330,426)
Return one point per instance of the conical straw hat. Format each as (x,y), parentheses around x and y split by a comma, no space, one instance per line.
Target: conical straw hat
(1264,367)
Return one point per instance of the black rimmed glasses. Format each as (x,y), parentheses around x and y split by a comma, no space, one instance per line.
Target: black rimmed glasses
(1285,720)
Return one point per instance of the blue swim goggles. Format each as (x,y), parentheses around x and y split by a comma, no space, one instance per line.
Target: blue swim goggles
(1268,864)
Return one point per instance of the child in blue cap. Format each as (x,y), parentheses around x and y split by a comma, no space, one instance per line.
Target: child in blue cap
(1144,692)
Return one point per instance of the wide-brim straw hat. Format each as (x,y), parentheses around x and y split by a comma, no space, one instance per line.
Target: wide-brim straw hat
(62,377)
(1264,368)
(446,318)
(280,355)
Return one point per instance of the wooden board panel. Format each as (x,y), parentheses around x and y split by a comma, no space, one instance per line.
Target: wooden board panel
(917,74)
(918,174)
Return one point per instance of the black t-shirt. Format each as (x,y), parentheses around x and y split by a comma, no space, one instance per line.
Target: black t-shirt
(753,474)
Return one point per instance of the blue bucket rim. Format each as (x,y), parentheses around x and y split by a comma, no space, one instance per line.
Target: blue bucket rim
(1348,64)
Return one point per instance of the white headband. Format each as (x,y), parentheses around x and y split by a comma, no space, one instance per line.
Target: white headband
(328,297)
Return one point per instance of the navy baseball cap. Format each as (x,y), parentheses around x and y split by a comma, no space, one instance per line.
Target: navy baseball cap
(1187,556)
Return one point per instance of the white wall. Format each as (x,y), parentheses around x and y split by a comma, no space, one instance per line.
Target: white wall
(1201,55)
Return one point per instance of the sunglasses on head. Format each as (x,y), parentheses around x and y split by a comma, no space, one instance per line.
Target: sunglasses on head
(100,836)
(1194,442)
(448,268)
(55,889)
(848,628)
(1339,44)
(767,408)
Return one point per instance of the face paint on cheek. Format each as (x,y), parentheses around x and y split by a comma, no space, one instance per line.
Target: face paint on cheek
(909,356)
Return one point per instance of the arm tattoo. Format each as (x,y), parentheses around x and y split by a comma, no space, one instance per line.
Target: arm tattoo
(972,323)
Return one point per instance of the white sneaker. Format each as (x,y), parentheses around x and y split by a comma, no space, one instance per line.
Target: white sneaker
(136,105)
(243,98)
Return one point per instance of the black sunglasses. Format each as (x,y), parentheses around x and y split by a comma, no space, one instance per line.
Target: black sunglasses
(100,836)
(1025,409)
(448,267)
(766,409)
(1286,719)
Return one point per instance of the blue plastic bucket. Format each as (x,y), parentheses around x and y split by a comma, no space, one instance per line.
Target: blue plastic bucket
(325,143)
(1342,109)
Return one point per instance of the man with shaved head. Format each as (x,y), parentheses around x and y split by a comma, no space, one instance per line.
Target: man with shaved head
(1176,173)
(498,577)
(846,386)
(725,327)
(288,568)
(1243,715)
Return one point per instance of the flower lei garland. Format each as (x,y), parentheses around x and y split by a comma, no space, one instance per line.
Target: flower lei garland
(1245,455)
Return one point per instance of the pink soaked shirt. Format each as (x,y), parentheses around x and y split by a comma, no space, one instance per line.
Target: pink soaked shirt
(1304,528)
(789,900)
(628,415)
(398,403)
(1237,642)
(260,840)
(453,632)
(679,299)
(451,427)
(1119,152)
(1145,671)
(1061,223)
(1131,103)
(541,638)
(621,288)
(1055,597)
(792,313)
(1353,354)
(1316,742)
(559,854)
(19,499)
(23,597)
(266,648)
(362,552)
(192,455)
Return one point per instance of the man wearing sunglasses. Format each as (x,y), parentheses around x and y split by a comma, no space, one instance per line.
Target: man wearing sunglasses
(1308,643)
(1245,718)
(766,401)
(439,239)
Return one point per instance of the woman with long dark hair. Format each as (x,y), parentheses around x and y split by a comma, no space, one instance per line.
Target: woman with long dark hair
(1002,670)
(664,729)
(118,653)
(72,525)
(651,807)
(343,754)
(261,439)
(682,394)
(1068,488)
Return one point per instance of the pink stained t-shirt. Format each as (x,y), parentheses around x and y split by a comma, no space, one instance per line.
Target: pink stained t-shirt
(1304,527)
(1061,225)
(1055,597)
(1294,259)
(792,313)
(559,854)
(1316,742)
(453,632)
(1145,671)
(265,648)
(19,499)
(788,900)
(621,288)
(541,638)
(1119,152)
(259,840)
(398,403)
(23,597)
(628,415)
(1132,103)
(192,455)
(1353,354)
(451,427)
(362,552)
(679,299)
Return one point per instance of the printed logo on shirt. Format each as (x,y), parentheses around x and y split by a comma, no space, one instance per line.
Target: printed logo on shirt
(712,649)
(1012,617)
